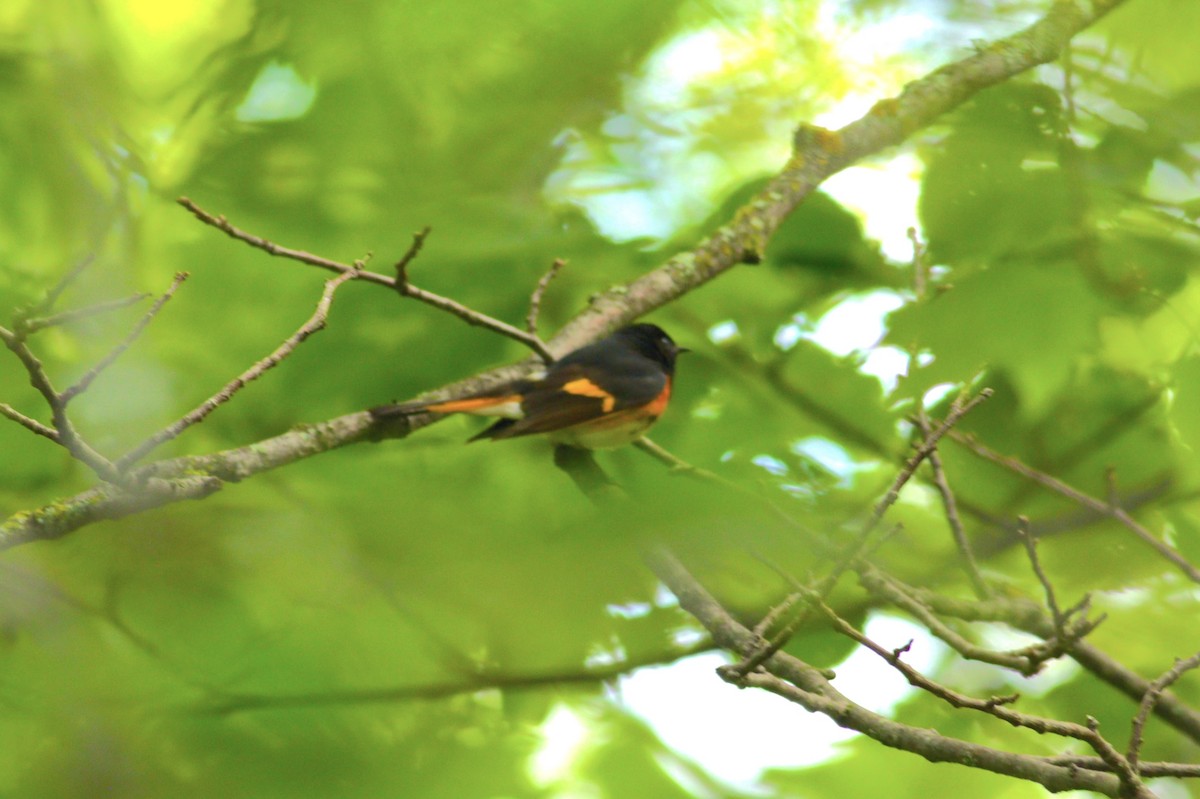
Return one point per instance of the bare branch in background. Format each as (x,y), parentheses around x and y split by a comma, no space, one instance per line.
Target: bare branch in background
(414,249)
(1087,501)
(402,287)
(535,299)
(84,382)
(36,324)
(1146,706)
(950,504)
(315,323)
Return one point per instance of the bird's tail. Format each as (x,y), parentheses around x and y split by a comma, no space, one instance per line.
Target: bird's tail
(488,405)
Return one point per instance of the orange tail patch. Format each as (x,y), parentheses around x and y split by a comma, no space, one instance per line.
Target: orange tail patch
(484,406)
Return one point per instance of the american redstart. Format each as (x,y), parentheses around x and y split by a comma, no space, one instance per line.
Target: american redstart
(599,396)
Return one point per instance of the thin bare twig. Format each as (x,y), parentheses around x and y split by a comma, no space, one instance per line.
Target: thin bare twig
(1030,544)
(478,319)
(414,249)
(1024,614)
(315,323)
(799,682)
(82,384)
(1027,661)
(858,549)
(958,410)
(995,706)
(271,248)
(66,434)
(1155,769)
(970,565)
(33,325)
(776,613)
(230,703)
(1146,706)
(535,299)
(64,283)
(1086,500)
(1131,784)
(32,425)
(406,289)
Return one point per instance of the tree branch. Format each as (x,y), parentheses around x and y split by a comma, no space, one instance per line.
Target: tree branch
(1091,503)
(314,324)
(799,682)
(817,155)
(1146,706)
(399,284)
(950,504)
(535,299)
(230,703)
(32,325)
(84,382)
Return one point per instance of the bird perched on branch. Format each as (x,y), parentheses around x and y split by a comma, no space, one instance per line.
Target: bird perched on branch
(600,396)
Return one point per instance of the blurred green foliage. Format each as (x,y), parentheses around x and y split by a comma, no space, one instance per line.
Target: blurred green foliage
(1062,256)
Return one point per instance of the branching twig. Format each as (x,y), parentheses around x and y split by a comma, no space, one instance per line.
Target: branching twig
(858,549)
(1027,661)
(270,247)
(66,435)
(315,323)
(1023,614)
(478,319)
(1087,501)
(995,706)
(535,299)
(982,590)
(404,288)
(1030,544)
(799,682)
(1147,770)
(84,382)
(1146,706)
(958,410)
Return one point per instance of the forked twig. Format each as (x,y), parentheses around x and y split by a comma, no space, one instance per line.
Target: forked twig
(402,287)
(315,323)
(1150,699)
(1030,544)
(1098,506)
(84,382)
(856,551)
(950,504)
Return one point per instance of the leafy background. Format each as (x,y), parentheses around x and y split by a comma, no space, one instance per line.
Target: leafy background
(1062,232)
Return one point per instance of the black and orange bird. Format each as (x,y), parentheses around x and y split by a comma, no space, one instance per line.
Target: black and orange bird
(600,396)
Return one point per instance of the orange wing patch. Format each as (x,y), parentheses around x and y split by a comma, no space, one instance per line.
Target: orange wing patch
(582,387)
